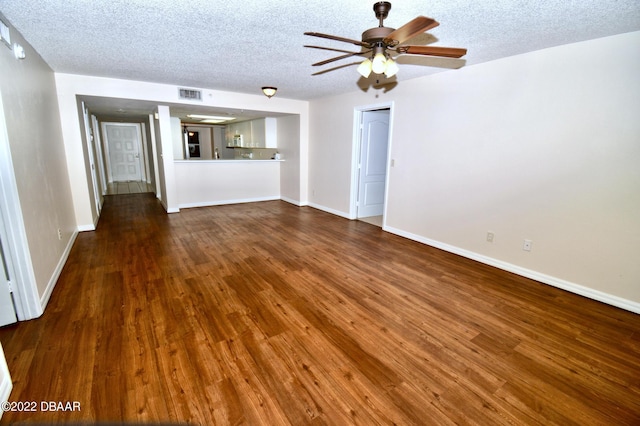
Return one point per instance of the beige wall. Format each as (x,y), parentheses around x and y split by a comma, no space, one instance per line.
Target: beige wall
(289,148)
(37,150)
(542,146)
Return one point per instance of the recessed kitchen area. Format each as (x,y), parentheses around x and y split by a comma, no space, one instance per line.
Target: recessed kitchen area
(253,139)
(230,157)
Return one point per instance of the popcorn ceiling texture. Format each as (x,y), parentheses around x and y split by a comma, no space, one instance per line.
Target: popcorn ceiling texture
(240,46)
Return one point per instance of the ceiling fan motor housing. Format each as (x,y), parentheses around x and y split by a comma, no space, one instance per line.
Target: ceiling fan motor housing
(376,35)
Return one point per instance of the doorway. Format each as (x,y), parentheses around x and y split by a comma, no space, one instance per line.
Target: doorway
(371,150)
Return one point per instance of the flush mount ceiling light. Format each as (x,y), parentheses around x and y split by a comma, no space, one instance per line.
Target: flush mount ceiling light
(269,91)
(377,42)
(211,119)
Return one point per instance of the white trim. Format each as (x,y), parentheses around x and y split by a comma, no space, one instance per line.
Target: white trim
(5,379)
(330,210)
(294,202)
(44,300)
(224,202)
(93,173)
(590,293)
(97,142)
(154,155)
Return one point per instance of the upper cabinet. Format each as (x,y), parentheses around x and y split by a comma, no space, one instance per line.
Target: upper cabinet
(264,132)
(234,130)
(258,133)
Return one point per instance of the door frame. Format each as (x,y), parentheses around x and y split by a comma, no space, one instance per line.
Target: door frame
(97,142)
(5,379)
(358,114)
(97,192)
(16,250)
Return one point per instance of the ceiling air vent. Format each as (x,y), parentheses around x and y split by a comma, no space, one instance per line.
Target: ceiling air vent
(194,95)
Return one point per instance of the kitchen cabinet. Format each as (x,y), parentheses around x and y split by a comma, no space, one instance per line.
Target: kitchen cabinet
(242,128)
(257,133)
(264,132)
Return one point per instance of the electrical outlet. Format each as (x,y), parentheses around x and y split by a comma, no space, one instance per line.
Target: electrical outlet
(527,245)
(59,234)
(490,236)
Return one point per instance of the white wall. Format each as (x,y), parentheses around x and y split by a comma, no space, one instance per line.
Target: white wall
(289,148)
(206,183)
(543,146)
(37,150)
(177,138)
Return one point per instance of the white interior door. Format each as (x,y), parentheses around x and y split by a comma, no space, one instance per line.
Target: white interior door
(373,163)
(123,142)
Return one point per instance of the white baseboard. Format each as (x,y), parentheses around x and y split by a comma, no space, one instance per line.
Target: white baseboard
(581,290)
(231,201)
(44,299)
(330,210)
(294,202)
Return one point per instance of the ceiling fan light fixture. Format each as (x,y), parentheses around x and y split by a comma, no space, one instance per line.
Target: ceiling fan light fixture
(269,91)
(378,64)
(391,68)
(365,68)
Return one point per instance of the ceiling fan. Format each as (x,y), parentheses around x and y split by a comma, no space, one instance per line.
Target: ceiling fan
(377,42)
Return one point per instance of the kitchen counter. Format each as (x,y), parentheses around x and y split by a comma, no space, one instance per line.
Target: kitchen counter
(231,160)
(213,182)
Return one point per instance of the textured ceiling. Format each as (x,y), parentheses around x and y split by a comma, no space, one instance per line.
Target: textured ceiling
(240,46)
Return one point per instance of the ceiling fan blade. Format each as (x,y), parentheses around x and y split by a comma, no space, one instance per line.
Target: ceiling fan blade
(412,28)
(337,67)
(337,58)
(329,48)
(332,37)
(447,52)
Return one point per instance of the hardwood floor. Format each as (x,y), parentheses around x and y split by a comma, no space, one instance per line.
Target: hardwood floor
(129,187)
(373,220)
(267,313)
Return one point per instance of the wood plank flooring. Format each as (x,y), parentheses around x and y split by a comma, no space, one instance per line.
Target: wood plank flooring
(271,314)
(128,187)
